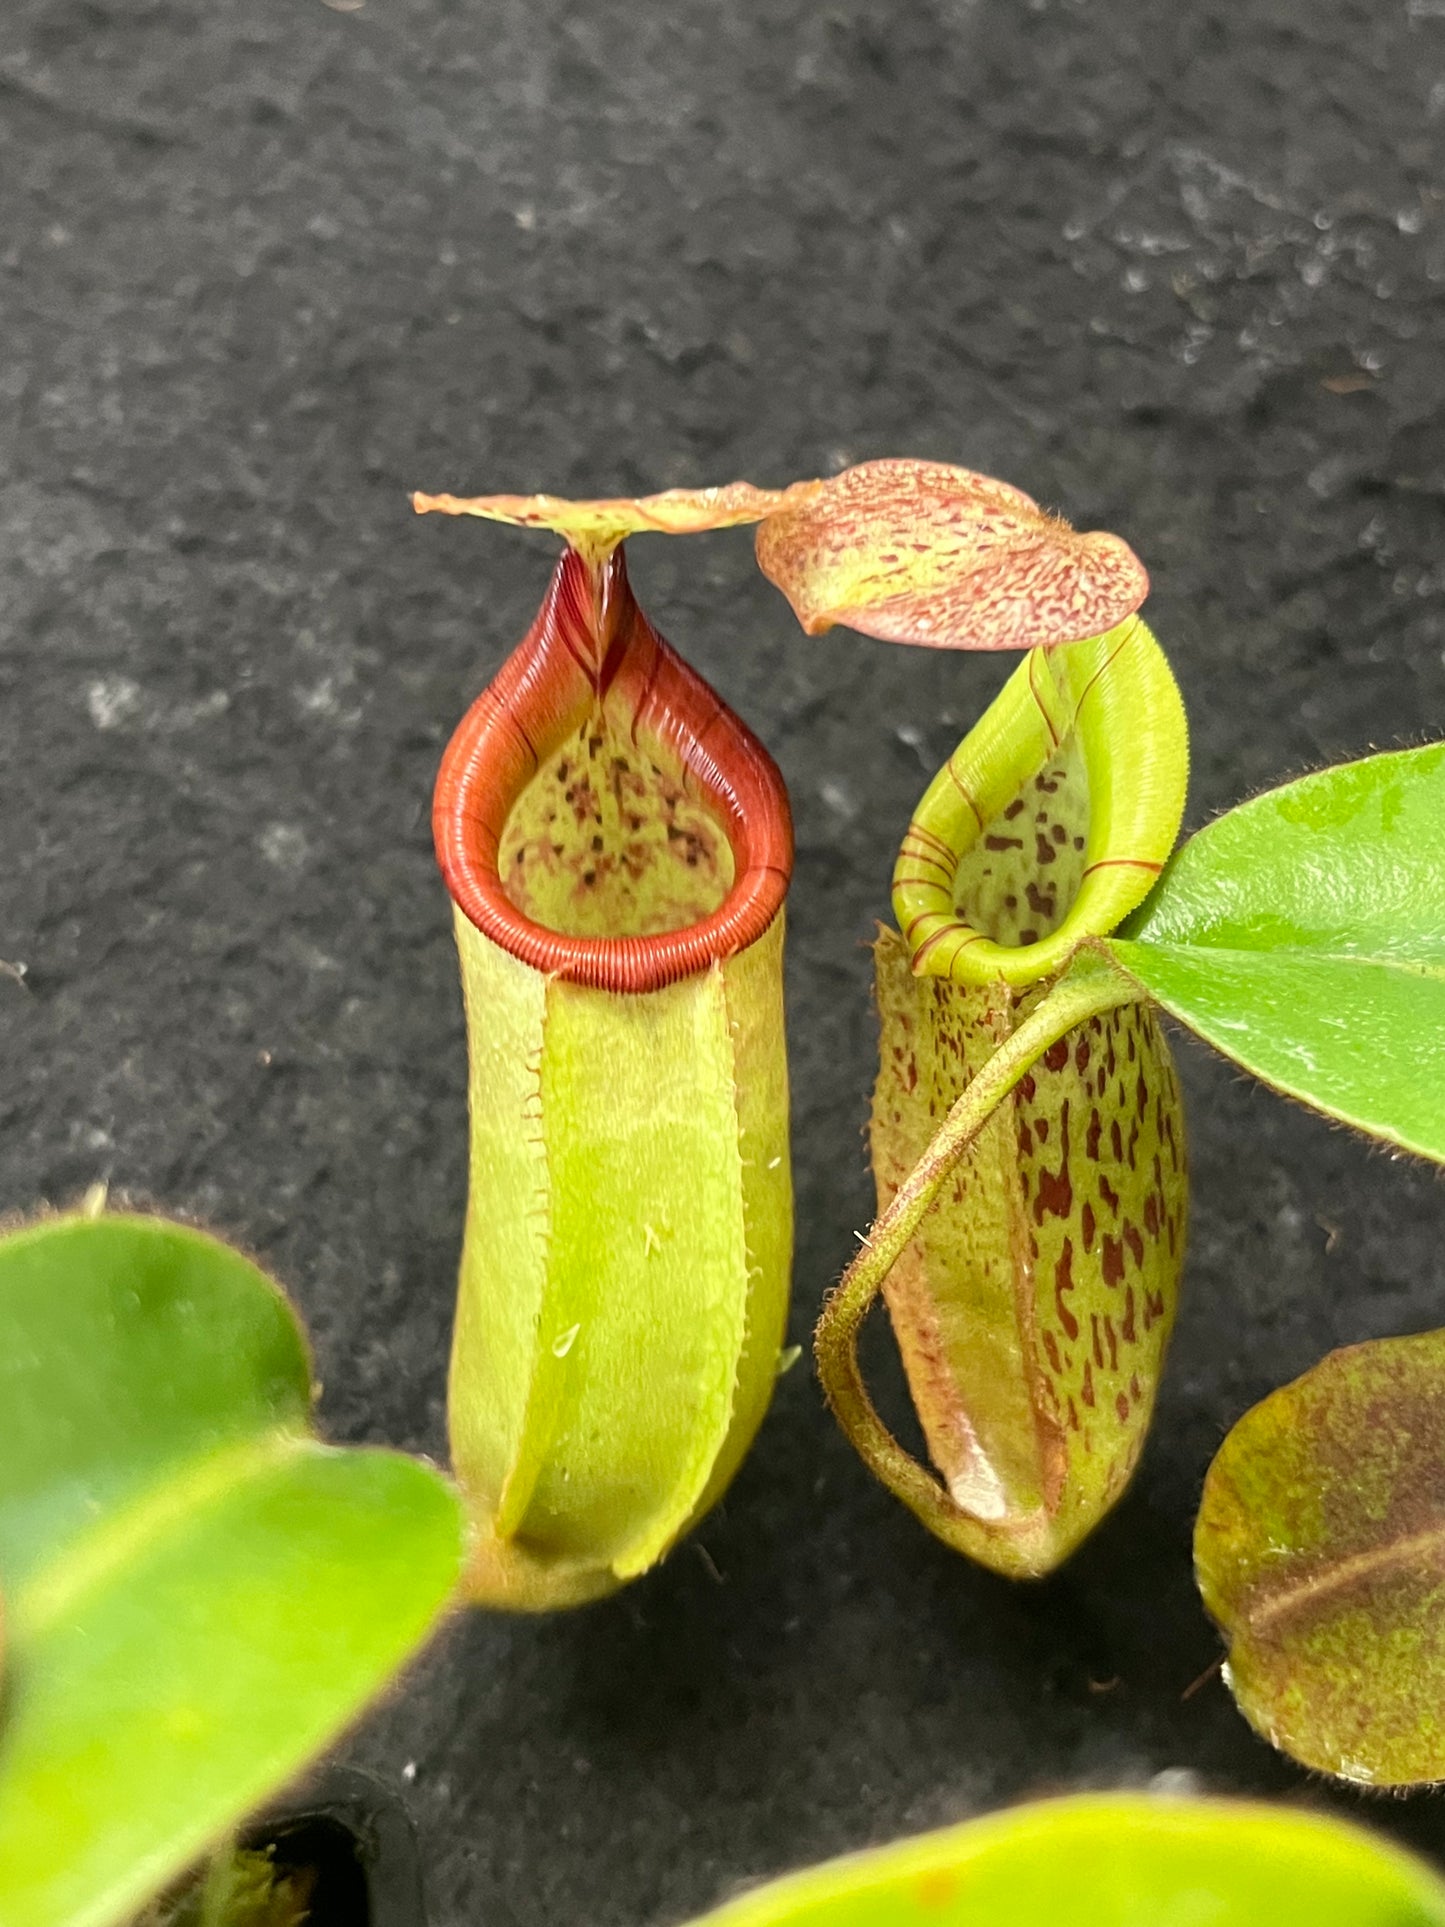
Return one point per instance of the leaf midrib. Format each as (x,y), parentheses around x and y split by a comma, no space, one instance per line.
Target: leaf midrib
(181,1491)
(1288,952)
(1320,1585)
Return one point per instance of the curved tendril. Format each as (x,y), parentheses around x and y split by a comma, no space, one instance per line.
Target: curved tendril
(1090,989)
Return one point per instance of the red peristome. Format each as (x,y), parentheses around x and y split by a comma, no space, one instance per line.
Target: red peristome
(591,642)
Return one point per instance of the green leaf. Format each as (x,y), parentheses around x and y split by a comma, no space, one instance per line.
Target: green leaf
(199,1593)
(1320,1550)
(1112,1861)
(1303,935)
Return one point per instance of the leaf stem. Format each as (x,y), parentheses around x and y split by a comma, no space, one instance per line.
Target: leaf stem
(1087,990)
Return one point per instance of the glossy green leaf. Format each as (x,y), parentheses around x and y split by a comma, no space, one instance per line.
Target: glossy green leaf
(1320,1550)
(1117,1860)
(1303,935)
(200,1594)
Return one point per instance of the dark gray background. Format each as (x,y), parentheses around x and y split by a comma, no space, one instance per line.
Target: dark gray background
(265,267)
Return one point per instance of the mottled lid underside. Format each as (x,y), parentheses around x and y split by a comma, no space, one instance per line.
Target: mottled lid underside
(903,550)
(594,528)
(921,552)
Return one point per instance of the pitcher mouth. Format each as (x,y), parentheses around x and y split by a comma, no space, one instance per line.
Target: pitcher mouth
(592,653)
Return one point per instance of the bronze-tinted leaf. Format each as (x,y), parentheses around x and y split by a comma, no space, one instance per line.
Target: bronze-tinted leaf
(1320,1550)
(920,552)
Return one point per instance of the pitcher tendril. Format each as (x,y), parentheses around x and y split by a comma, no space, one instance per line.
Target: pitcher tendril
(1019,1542)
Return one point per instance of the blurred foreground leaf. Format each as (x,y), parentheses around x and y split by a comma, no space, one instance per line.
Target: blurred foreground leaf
(200,1593)
(1303,934)
(1320,1550)
(1124,1860)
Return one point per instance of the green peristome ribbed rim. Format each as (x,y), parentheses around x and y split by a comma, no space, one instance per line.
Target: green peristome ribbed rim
(1115,698)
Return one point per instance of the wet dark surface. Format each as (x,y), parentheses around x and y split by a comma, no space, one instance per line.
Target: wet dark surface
(1177,271)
